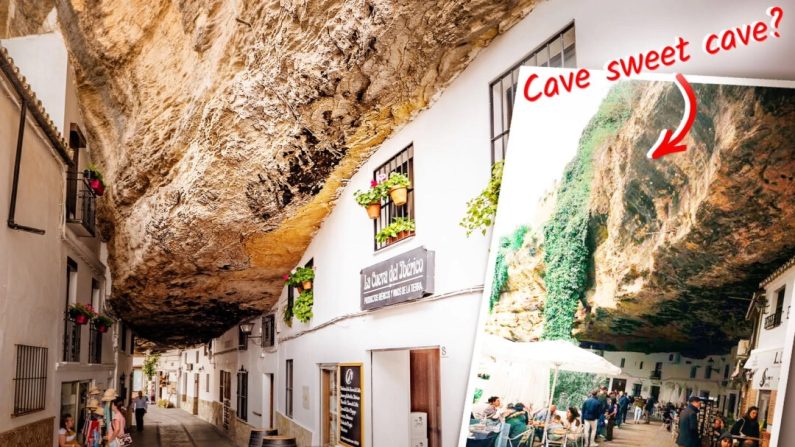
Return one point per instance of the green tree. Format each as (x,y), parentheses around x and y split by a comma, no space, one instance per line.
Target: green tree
(150,365)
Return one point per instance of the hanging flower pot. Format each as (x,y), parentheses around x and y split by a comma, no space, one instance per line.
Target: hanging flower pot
(102,323)
(374,210)
(81,313)
(398,185)
(307,285)
(102,328)
(81,319)
(96,186)
(399,195)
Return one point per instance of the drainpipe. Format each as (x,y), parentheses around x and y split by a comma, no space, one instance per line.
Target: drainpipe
(15,185)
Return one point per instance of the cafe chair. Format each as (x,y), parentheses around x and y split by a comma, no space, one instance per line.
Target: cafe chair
(557,442)
(522,439)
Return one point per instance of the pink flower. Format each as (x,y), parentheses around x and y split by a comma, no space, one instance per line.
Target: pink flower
(373,183)
(285,277)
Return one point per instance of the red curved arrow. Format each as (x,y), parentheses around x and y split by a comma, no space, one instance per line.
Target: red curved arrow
(668,142)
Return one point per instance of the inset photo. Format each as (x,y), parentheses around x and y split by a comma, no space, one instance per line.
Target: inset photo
(640,296)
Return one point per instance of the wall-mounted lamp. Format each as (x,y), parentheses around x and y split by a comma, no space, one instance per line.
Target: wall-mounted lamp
(246,328)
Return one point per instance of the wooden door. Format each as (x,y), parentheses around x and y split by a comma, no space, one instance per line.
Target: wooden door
(226,396)
(196,393)
(328,406)
(426,390)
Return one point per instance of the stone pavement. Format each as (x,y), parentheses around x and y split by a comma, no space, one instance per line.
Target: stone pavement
(172,427)
(640,435)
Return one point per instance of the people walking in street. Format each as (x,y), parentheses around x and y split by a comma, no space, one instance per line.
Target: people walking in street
(649,409)
(688,424)
(610,417)
(623,404)
(591,410)
(748,425)
(140,404)
(639,404)
(67,437)
(601,425)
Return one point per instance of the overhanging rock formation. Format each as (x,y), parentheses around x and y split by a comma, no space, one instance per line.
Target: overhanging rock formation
(226,130)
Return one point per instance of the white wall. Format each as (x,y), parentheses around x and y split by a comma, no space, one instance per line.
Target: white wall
(774,338)
(391,378)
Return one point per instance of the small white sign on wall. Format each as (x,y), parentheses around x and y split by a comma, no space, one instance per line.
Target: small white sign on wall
(305,397)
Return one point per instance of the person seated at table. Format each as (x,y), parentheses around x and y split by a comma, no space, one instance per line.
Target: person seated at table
(718,427)
(541,415)
(748,426)
(556,429)
(725,440)
(492,410)
(518,419)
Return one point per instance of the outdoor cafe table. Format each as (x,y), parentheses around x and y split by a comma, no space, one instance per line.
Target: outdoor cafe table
(742,439)
(483,436)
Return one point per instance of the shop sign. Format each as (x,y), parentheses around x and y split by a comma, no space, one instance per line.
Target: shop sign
(766,365)
(350,405)
(403,278)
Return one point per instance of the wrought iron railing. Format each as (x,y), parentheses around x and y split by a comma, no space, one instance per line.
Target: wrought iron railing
(656,375)
(30,380)
(71,340)
(81,206)
(773,320)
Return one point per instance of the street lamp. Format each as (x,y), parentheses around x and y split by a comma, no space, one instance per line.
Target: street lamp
(246,328)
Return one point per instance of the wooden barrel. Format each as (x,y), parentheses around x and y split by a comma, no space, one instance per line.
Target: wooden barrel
(279,441)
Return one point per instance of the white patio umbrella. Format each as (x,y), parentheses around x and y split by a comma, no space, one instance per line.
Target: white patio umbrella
(553,354)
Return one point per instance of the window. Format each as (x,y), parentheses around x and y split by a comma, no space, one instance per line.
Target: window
(774,320)
(623,361)
(95,298)
(558,51)
(242,394)
(636,389)
(726,372)
(708,372)
(123,336)
(288,388)
(693,372)
(72,330)
(94,345)
(402,163)
(30,381)
(242,340)
(197,356)
(670,357)
(641,365)
(207,383)
(268,331)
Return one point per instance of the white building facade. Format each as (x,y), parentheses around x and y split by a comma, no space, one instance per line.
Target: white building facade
(50,253)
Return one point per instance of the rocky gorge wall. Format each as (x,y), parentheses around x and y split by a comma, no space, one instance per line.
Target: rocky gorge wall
(676,246)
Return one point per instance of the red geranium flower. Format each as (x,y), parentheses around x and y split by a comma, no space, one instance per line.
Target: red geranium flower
(285,277)
(373,183)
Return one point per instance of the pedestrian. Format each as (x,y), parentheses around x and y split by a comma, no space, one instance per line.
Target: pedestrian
(748,425)
(115,427)
(688,424)
(591,410)
(639,404)
(67,437)
(610,416)
(601,425)
(623,403)
(140,404)
(650,402)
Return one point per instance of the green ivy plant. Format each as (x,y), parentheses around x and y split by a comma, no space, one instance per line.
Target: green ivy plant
(150,365)
(508,245)
(302,309)
(482,209)
(397,180)
(287,315)
(376,193)
(398,225)
(566,252)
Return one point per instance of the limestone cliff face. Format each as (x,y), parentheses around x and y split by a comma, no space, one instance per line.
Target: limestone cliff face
(678,244)
(227,129)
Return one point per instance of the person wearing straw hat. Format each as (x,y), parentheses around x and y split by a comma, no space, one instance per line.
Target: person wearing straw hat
(115,427)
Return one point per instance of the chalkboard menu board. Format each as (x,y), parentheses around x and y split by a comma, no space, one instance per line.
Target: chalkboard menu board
(350,426)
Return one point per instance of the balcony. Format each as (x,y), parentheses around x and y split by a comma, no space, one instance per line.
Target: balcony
(71,341)
(656,375)
(773,321)
(81,206)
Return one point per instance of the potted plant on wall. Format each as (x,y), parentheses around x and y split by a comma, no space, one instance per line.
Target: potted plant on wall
(304,276)
(400,228)
(102,323)
(81,313)
(398,185)
(371,199)
(94,179)
(302,309)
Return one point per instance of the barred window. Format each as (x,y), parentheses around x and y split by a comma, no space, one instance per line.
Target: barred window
(72,330)
(402,163)
(242,340)
(94,346)
(558,51)
(30,381)
(242,394)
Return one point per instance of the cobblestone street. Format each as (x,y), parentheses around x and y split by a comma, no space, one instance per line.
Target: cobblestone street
(173,427)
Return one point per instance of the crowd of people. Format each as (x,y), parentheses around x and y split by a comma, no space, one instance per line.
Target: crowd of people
(745,431)
(104,422)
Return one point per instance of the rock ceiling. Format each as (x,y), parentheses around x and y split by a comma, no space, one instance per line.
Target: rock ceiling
(227,130)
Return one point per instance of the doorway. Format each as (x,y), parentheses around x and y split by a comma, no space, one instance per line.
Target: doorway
(328,405)
(195,393)
(636,388)
(225,395)
(655,393)
(267,400)
(426,393)
(619,385)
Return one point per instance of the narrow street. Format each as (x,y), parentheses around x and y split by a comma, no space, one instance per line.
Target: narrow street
(632,435)
(172,427)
